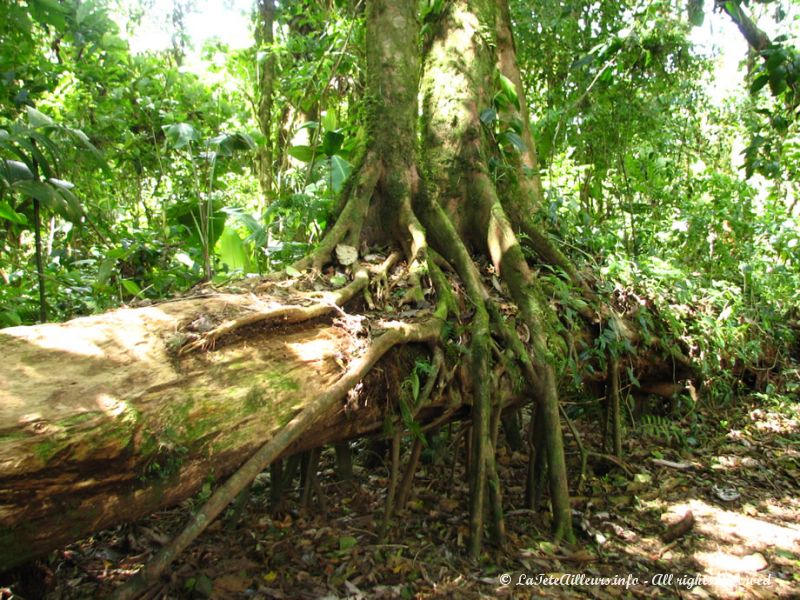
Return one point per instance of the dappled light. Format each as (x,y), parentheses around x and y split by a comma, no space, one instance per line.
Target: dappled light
(732,528)
(399,299)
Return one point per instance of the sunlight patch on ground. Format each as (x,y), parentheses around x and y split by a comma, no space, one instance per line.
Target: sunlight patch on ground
(785,509)
(313,350)
(773,422)
(735,528)
(731,555)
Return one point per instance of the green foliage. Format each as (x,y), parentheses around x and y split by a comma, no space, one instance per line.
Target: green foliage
(409,399)
(662,430)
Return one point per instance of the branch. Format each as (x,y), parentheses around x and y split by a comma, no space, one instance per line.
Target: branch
(756,38)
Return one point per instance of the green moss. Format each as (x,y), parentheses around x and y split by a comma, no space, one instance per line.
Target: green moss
(255,399)
(14,435)
(45,450)
(282,382)
(77,419)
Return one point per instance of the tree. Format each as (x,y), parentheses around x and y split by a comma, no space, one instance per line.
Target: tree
(168,391)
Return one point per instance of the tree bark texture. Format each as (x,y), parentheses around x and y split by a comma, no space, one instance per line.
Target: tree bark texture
(102,421)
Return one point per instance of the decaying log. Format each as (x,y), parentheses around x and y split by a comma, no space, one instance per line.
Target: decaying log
(104,420)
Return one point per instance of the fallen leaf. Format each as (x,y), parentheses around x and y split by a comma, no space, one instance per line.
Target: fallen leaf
(346,255)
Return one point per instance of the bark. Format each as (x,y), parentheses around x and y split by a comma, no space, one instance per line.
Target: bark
(118,415)
(265,68)
(102,422)
(456,153)
(756,38)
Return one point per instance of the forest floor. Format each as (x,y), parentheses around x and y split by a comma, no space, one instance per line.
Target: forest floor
(737,471)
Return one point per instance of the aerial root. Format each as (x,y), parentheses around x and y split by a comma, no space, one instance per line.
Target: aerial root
(395,334)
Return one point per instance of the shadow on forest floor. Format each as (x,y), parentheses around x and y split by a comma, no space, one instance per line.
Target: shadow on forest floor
(741,483)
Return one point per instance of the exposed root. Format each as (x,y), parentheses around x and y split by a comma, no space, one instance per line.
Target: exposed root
(395,333)
(404,491)
(418,260)
(347,228)
(291,314)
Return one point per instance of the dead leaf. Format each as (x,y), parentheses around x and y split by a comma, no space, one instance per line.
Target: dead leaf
(346,255)
(227,585)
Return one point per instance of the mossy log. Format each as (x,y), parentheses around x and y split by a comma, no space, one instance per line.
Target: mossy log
(104,420)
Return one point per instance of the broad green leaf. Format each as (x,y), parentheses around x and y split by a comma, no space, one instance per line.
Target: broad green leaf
(488,116)
(61,183)
(84,140)
(105,270)
(73,210)
(8,213)
(777,83)
(515,123)
(509,89)
(228,144)
(302,153)
(309,125)
(180,134)
(332,142)
(329,121)
(131,287)
(37,119)
(34,154)
(14,170)
(759,82)
(340,171)
(43,192)
(513,138)
(233,252)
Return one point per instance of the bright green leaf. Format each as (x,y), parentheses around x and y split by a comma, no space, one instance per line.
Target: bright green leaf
(37,119)
(233,252)
(509,89)
(347,542)
(131,287)
(340,171)
(301,153)
(8,213)
(180,134)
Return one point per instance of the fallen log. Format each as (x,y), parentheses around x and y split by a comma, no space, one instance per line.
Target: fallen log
(103,419)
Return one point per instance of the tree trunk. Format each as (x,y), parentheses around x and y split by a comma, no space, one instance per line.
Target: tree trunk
(265,68)
(106,418)
(103,420)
